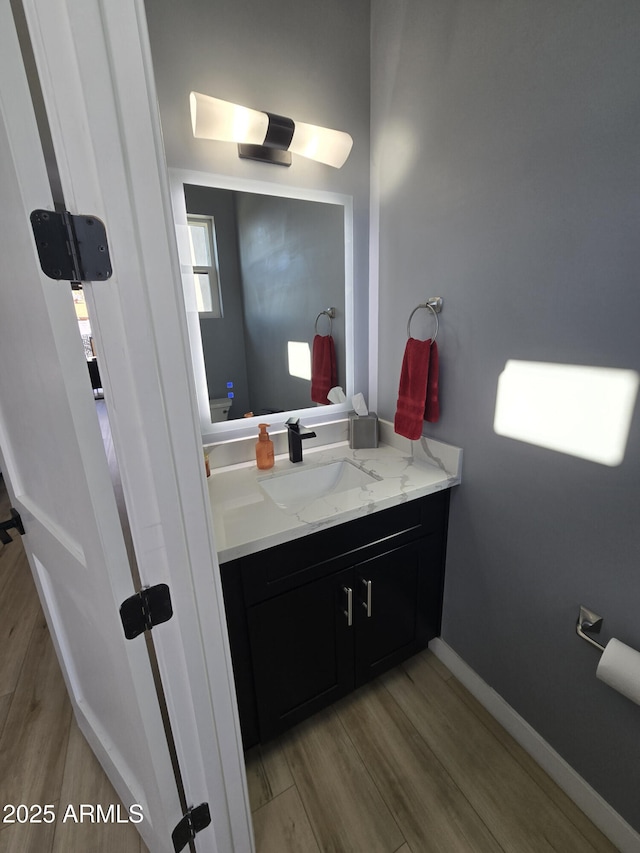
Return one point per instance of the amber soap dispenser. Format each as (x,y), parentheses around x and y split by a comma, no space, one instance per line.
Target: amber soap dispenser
(264,449)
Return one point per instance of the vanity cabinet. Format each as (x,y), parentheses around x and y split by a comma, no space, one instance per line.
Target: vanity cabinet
(314,618)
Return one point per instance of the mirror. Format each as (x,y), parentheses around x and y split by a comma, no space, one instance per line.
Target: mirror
(278,258)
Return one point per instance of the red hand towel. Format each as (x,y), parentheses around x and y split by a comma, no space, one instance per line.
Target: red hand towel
(324,375)
(432,407)
(418,392)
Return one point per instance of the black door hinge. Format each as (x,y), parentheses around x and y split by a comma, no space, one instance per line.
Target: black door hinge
(151,606)
(196,819)
(5,526)
(71,247)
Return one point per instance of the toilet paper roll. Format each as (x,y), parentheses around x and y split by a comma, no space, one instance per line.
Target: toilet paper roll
(619,667)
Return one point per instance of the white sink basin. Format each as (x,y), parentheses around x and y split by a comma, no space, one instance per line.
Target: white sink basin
(297,489)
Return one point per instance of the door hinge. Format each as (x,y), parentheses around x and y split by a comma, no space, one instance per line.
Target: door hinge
(71,247)
(151,606)
(5,526)
(196,819)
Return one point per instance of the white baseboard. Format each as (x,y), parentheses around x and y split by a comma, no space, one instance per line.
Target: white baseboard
(617,830)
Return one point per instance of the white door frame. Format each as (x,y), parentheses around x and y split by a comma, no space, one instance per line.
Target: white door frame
(94,65)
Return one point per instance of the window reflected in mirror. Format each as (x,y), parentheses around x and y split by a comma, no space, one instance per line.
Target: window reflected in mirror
(204,259)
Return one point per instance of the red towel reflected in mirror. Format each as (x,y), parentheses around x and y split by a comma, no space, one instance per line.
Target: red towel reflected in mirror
(324,373)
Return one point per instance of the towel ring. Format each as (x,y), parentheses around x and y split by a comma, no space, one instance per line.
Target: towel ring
(331,313)
(435,317)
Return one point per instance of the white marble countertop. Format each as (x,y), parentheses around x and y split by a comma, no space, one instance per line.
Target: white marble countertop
(246,520)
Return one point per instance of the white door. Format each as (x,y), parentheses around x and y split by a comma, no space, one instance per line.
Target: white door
(53,455)
(59,482)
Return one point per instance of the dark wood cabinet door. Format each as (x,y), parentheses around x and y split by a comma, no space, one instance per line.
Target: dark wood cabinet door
(302,649)
(395,593)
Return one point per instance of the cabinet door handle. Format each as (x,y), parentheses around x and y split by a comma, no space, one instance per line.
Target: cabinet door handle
(349,611)
(367,604)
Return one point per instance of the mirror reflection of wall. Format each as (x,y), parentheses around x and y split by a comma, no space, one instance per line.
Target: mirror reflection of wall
(280,263)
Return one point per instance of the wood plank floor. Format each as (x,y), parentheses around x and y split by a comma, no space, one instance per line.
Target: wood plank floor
(409,764)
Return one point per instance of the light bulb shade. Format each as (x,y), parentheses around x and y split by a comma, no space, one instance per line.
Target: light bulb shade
(331,147)
(213,118)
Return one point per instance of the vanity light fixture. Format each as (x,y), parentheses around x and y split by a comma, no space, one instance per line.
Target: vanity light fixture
(265,136)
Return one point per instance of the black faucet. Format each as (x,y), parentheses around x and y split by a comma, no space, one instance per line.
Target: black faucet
(296,433)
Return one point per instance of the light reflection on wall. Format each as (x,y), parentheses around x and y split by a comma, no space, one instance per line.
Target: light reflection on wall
(299,355)
(398,152)
(580,410)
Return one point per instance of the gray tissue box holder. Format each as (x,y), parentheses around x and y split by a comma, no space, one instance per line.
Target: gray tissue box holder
(363,430)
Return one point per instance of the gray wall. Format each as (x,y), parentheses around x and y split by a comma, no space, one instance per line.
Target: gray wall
(290,272)
(223,342)
(505,144)
(299,58)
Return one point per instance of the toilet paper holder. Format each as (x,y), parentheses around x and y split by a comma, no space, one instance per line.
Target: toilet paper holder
(588,621)
(619,664)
